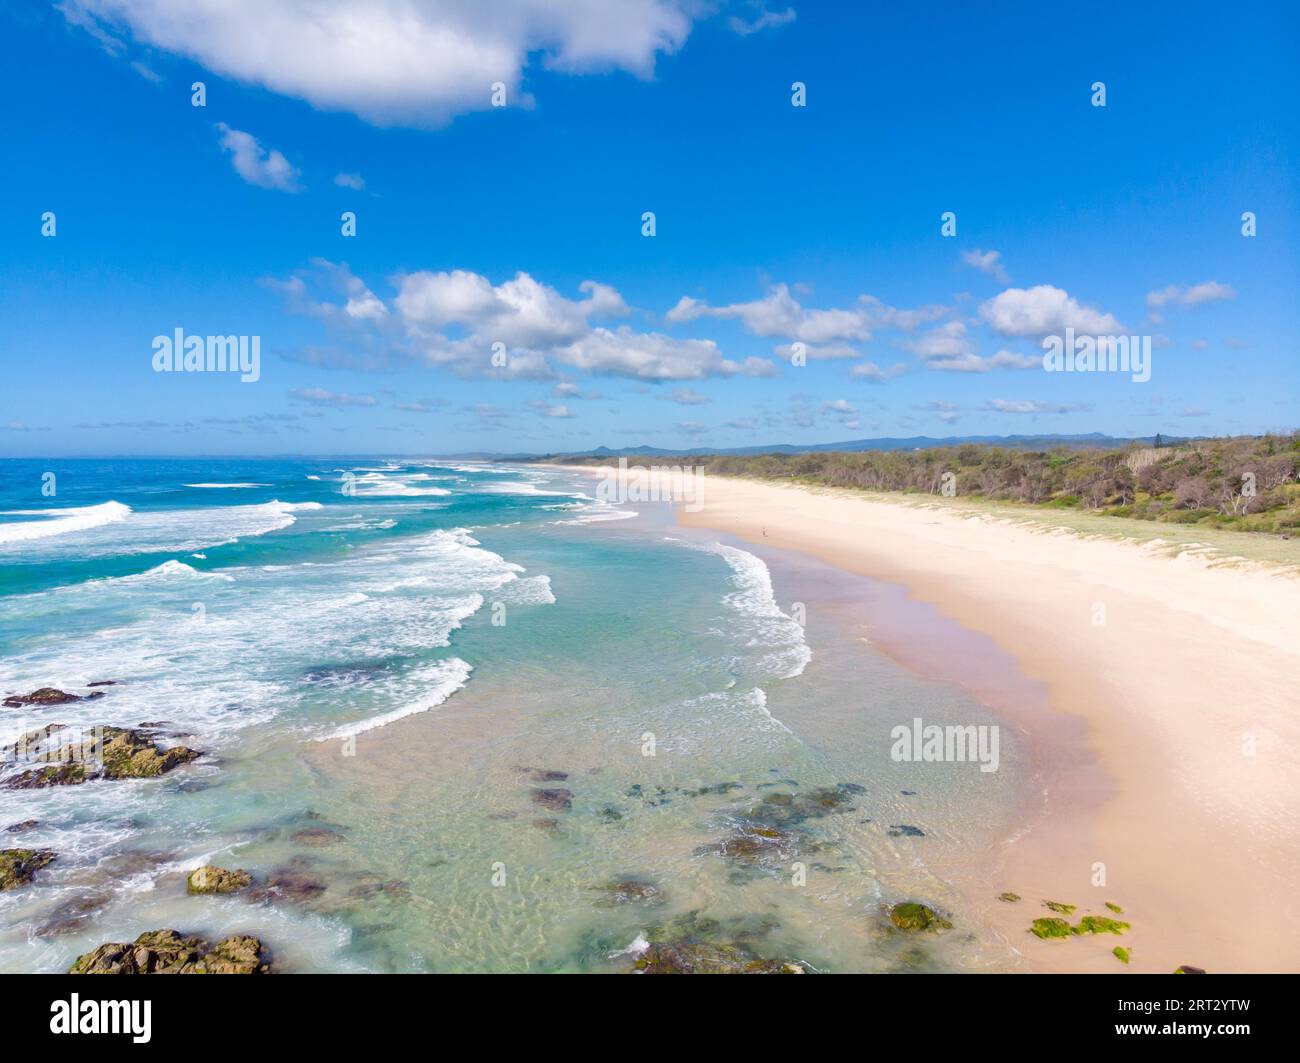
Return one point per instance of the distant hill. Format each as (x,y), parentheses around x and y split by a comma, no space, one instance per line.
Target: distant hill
(1042,442)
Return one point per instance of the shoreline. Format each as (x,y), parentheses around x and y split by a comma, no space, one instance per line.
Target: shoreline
(1169,747)
(1199,840)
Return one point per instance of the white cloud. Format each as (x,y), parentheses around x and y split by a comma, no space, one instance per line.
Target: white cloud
(987,262)
(1033,406)
(687,397)
(764,20)
(350,180)
(654,356)
(1187,297)
(456,319)
(395,62)
(871,371)
(321,397)
(255,164)
(779,313)
(1043,311)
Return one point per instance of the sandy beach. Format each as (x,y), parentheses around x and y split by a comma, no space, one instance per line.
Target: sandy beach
(1185,673)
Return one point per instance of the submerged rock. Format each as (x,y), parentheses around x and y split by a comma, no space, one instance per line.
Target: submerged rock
(558,800)
(98,753)
(703,958)
(17,866)
(168,952)
(212,879)
(695,944)
(546,775)
(912,915)
(1058,906)
(73,914)
(905,830)
(316,836)
(1188,969)
(23,827)
(294,882)
(1009,897)
(628,891)
(717,788)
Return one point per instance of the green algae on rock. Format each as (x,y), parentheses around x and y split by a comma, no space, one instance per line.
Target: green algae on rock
(17,866)
(1099,924)
(1115,908)
(1120,953)
(168,952)
(1009,897)
(911,915)
(1058,906)
(1050,928)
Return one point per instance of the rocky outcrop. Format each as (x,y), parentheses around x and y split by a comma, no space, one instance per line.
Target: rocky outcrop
(168,952)
(44,696)
(212,879)
(23,827)
(17,866)
(96,753)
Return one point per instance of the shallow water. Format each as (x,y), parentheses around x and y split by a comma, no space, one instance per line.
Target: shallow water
(390,669)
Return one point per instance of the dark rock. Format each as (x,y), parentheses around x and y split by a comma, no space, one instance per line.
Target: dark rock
(103,683)
(167,952)
(94,694)
(557,800)
(549,776)
(23,827)
(1189,969)
(212,879)
(17,866)
(44,696)
(905,830)
(610,814)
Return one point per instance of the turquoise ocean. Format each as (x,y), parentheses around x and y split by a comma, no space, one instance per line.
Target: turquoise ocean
(446,708)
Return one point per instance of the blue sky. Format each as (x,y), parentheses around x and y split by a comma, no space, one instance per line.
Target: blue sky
(522,224)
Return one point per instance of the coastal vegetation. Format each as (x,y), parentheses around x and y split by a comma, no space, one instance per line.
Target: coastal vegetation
(1244,483)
